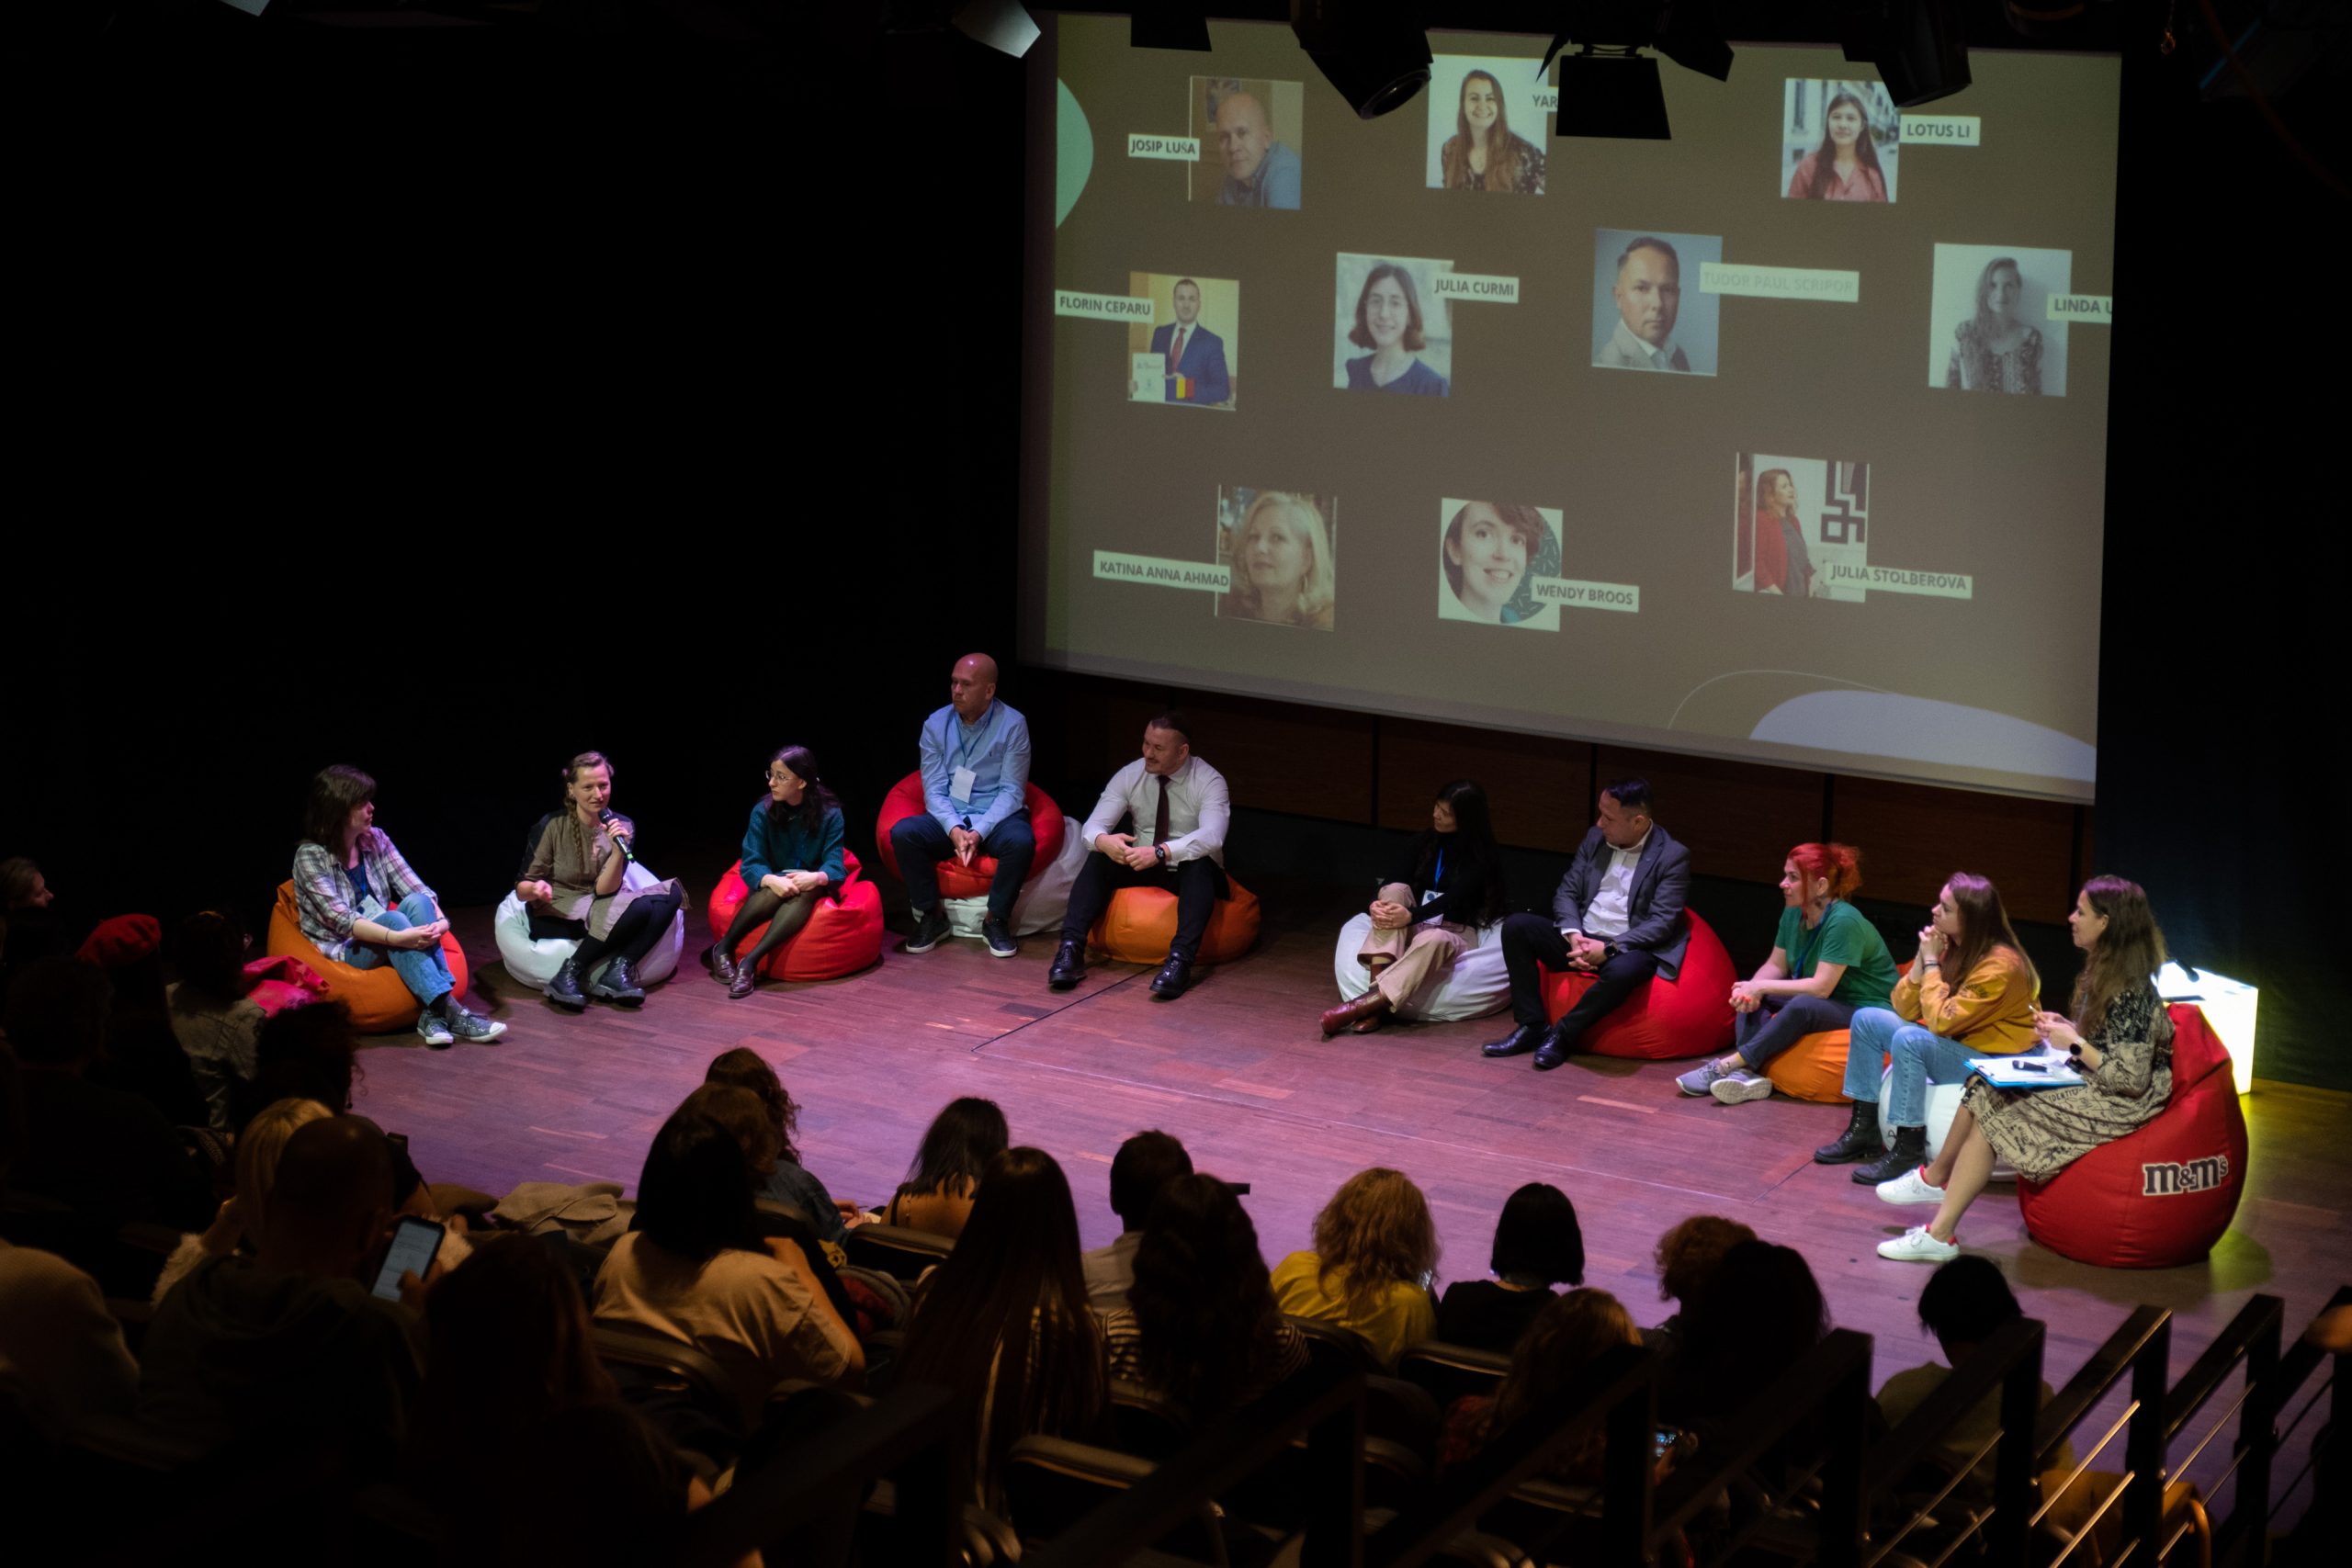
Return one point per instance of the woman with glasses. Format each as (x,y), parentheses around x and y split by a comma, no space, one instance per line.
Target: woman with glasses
(792,854)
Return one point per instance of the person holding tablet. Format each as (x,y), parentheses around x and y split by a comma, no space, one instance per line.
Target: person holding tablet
(1388,322)
(1484,153)
(1845,167)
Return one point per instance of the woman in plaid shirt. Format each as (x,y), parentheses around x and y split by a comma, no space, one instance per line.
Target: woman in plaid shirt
(360,904)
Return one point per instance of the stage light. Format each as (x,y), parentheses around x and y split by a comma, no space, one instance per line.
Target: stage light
(1689,35)
(1169,24)
(1919,46)
(1608,90)
(1003,24)
(1372,51)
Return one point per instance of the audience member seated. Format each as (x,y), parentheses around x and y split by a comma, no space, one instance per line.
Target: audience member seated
(2121,1041)
(1538,1244)
(1178,809)
(573,890)
(305,1052)
(747,1120)
(511,1353)
(975,767)
(1757,1310)
(213,1019)
(108,1156)
(141,1054)
(1145,1165)
(245,1212)
(1376,1247)
(1828,960)
(588,1485)
(789,1182)
(1687,1258)
(1450,885)
(1963,1302)
(289,1349)
(1200,1328)
(30,926)
(1618,915)
(936,1196)
(1571,1333)
(695,1270)
(792,855)
(61,1356)
(360,904)
(1003,1322)
(1970,992)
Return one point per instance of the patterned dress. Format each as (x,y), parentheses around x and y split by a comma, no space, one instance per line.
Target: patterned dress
(1975,368)
(2042,1131)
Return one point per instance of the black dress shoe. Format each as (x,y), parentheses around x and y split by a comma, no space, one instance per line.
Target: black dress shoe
(721,966)
(564,991)
(1517,1042)
(1550,1054)
(1171,982)
(617,985)
(1070,965)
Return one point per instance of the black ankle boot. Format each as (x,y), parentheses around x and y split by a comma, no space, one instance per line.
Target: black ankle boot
(1070,965)
(1860,1141)
(616,984)
(564,989)
(1909,1153)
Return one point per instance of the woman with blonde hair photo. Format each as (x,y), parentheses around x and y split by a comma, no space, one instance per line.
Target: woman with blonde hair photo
(1281,561)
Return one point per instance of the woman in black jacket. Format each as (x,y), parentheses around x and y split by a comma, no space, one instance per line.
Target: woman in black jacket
(1424,920)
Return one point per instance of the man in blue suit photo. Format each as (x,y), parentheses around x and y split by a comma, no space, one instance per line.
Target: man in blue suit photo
(1193,355)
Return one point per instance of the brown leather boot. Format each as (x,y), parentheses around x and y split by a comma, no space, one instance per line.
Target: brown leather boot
(1372,1004)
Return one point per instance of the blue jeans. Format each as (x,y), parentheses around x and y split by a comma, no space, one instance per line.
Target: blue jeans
(922,843)
(1921,1056)
(426,973)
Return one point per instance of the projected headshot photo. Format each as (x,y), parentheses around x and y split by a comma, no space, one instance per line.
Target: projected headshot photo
(1490,555)
(1840,141)
(1393,333)
(1250,129)
(1991,329)
(1191,351)
(1486,124)
(1647,311)
(1794,519)
(1278,545)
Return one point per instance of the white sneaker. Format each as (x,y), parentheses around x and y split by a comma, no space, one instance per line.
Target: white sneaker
(435,1031)
(1916,1246)
(1910,1188)
(1739,1086)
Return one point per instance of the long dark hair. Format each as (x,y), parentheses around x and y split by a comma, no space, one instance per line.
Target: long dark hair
(1983,926)
(335,793)
(2128,952)
(1009,1308)
(746,1068)
(815,800)
(1825,157)
(693,1196)
(1473,835)
(1759,1294)
(1570,1334)
(1201,1298)
(958,1144)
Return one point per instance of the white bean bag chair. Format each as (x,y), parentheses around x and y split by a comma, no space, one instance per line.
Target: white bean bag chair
(535,963)
(1477,986)
(1045,897)
(1943,1100)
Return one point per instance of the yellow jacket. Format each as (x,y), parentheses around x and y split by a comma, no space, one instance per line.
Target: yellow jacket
(1992,1008)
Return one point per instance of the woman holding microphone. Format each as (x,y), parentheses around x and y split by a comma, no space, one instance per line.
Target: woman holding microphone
(573,888)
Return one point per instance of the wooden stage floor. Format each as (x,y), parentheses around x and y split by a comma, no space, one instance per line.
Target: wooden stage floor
(1239,1071)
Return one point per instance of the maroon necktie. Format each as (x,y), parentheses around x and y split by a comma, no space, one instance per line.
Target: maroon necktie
(1175,357)
(1159,817)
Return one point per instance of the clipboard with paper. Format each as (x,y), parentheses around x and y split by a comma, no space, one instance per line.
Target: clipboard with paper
(2043,1069)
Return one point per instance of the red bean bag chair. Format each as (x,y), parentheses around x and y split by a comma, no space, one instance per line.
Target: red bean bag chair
(957,880)
(2165,1193)
(843,934)
(378,1002)
(1687,1016)
(1815,1067)
(1141,922)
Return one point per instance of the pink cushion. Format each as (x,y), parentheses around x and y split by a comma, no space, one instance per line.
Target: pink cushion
(1687,1016)
(2165,1193)
(843,934)
(955,879)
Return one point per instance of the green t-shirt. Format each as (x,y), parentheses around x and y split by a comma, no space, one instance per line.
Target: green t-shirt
(1842,937)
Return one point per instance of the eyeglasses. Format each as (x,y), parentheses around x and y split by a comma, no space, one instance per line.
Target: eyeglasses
(778,775)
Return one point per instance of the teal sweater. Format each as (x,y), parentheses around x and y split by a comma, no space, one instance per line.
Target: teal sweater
(769,847)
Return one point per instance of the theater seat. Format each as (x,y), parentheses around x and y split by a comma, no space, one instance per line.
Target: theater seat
(1141,922)
(1476,985)
(2165,1193)
(378,1002)
(956,880)
(1687,1016)
(534,961)
(843,934)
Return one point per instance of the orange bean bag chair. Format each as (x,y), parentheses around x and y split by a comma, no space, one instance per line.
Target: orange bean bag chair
(843,934)
(955,879)
(1687,1016)
(1141,922)
(378,1002)
(2166,1192)
(1815,1067)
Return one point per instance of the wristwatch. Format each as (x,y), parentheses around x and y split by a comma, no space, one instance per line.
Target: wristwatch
(1162,850)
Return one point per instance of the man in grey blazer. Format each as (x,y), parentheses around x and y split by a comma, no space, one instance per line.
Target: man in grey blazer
(1649,292)
(1618,916)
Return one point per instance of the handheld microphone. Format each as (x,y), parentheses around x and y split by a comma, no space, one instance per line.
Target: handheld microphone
(627,854)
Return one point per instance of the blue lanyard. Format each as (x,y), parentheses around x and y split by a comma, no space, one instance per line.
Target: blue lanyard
(1437,878)
(978,743)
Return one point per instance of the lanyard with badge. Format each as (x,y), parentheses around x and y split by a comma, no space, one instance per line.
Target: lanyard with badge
(1437,880)
(960,780)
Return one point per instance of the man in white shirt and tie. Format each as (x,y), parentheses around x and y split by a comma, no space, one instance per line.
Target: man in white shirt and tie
(1649,299)
(1180,811)
(1618,915)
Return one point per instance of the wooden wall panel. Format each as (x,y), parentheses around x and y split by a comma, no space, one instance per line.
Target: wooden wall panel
(1738,818)
(1284,757)
(1540,789)
(1913,836)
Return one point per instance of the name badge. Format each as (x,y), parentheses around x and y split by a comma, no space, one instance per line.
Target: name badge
(959,788)
(1432,893)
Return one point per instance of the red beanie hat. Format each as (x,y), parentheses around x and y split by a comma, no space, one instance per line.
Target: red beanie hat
(125,938)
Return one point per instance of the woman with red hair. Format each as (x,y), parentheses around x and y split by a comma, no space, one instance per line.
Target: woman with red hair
(1828,960)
